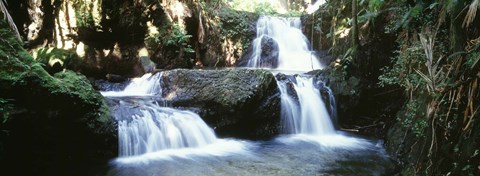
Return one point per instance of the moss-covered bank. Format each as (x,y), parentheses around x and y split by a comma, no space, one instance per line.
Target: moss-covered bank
(54,124)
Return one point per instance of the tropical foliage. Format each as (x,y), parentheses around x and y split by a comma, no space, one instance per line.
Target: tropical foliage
(436,63)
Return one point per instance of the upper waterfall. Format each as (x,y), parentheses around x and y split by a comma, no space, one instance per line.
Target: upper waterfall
(293,47)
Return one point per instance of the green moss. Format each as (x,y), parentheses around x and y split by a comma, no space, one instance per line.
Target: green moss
(14,59)
(66,58)
(236,79)
(75,82)
(234,25)
(76,85)
(23,78)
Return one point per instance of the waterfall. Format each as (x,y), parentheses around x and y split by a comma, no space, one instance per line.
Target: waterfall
(307,113)
(157,128)
(148,84)
(304,112)
(293,47)
(145,127)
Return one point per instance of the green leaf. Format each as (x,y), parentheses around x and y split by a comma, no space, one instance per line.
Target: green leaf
(433,5)
(425,77)
(477,58)
(456,54)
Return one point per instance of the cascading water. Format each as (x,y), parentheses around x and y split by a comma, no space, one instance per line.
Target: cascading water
(309,115)
(148,84)
(144,126)
(156,128)
(293,49)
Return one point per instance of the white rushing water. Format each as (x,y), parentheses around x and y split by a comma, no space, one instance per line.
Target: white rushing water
(312,8)
(293,50)
(146,85)
(156,140)
(147,130)
(308,114)
(158,128)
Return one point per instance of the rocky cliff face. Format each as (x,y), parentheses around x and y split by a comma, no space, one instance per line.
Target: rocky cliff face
(98,38)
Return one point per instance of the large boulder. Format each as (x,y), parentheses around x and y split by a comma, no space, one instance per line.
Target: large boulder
(54,124)
(236,102)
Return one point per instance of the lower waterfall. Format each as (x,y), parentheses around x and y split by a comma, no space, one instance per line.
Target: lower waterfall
(308,114)
(157,128)
(147,127)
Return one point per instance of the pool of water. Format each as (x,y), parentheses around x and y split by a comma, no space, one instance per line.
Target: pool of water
(284,155)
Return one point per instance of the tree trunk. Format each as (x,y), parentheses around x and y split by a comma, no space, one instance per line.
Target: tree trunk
(457,33)
(355,39)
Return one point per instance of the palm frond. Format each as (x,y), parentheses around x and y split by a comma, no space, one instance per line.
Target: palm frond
(472,12)
(9,19)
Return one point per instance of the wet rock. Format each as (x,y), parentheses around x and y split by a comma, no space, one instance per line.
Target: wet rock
(104,85)
(115,78)
(290,80)
(325,58)
(235,102)
(268,55)
(361,107)
(324,91)
(346,93)
(147,64)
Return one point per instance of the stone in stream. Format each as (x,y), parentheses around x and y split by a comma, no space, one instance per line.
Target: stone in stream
(235,102)
(268,55)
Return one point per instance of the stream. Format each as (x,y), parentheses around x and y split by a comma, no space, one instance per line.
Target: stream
(155,139)
(284,155)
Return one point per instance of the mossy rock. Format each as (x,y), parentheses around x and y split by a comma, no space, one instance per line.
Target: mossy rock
(235,102)
(55,123)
